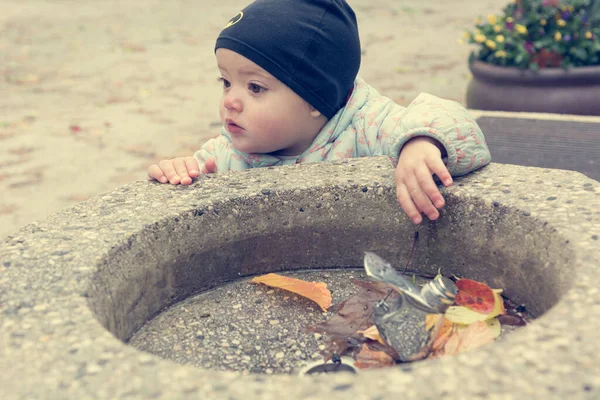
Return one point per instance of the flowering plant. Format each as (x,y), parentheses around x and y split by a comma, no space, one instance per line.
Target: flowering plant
(533,34)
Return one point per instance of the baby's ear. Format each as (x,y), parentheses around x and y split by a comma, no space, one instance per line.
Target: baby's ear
(314,112)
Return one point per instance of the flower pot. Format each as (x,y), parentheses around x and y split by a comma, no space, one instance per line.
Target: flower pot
(551,90)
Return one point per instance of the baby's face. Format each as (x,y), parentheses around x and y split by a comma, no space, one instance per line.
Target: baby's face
(261,113)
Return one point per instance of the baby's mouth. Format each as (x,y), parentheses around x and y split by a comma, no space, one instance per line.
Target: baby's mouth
(232,127)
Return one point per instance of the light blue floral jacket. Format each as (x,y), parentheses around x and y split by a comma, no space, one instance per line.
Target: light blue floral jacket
(371,125)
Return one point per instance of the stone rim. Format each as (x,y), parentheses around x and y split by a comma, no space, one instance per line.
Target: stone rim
(563,347)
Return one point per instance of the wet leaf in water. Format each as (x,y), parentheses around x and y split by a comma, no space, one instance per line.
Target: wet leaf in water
(475,295)
(367,358)
(315,291)
(471,337)
(355,313)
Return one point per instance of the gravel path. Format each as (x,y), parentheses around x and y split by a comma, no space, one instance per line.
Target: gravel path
(92,92)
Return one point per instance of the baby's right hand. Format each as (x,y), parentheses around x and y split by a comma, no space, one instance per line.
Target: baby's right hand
(180,170)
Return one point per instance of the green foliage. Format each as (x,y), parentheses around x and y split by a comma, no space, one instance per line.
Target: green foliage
(534,34)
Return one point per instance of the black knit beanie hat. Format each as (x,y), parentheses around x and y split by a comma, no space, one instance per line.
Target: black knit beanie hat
(312,46)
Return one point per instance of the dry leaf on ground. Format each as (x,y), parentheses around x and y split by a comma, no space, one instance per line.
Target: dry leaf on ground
(355,313)
(465,316)
(471,337)
(367,358)
(443,335)
(372,333)
(315,291)
(474,295)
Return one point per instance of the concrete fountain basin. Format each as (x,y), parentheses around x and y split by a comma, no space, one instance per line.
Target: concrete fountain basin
(75,286)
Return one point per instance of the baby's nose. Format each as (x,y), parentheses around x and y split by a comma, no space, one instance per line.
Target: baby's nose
(232,102)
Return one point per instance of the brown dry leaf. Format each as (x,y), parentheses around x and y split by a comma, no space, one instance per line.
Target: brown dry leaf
(471,337)
(372,333)
(133,47)
(8,208)
(141,150)
(21,150)
(355,313)
(76,197)
(442,337)
(367,358)
(315,291)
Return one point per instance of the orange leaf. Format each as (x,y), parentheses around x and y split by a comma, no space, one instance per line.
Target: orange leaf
(368,358)
(471,337)
(315,291)
(372,333)
(475,295)
(443,336)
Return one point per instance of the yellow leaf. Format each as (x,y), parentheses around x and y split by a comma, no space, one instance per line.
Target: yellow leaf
(465,316)
(372,333)
(493,324)
(315,291)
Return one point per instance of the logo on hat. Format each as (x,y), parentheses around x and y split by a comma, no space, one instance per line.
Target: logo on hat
(234,20)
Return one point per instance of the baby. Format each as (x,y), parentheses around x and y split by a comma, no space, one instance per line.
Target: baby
(291,95)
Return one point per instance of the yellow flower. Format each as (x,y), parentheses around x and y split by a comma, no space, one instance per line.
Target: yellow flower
(460,41)
(588,35)
(479,38)
(543,22)
(478,21)
(509,19)
(497,28)
(522,29)
(557,36)
(467,35)
(500,39)
(561,22)
(491,44)
(492,19)
(500,54)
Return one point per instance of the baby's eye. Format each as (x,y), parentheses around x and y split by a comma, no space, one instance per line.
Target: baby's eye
(256,89)
(225,82)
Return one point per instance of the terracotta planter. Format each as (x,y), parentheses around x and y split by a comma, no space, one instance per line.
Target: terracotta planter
(552,90)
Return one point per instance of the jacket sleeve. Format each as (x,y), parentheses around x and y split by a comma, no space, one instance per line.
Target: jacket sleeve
(225,156)
(387,126)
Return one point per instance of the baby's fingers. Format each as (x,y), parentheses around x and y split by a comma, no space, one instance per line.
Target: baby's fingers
(432,194)
(192,166)
(181,169)
(169,170)
(407,204)
(154,172)
(210,166)
(436,165)
(423,192)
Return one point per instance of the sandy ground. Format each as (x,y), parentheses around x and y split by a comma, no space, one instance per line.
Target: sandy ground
(92,92)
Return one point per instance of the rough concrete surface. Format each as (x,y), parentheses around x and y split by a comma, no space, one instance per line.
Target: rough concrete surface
(75,283)
(92,92)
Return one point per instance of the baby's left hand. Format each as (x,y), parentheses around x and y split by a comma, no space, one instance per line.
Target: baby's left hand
(416,191)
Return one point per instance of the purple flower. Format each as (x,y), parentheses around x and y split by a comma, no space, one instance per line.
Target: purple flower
(567,38)
(541,31)
(584,18)
(565,15)
(528,46)
(509,25)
